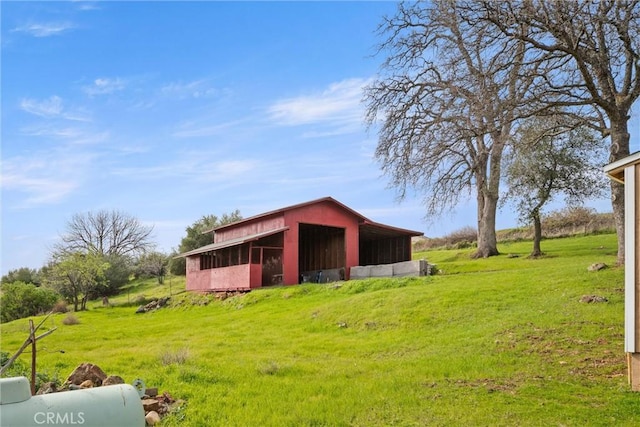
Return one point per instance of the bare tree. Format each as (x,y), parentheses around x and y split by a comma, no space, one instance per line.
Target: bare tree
(153,264)
(448,97)
(591,52)
(549,162)
(105,233)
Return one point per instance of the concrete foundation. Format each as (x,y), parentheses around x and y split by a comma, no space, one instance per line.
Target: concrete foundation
(413,268)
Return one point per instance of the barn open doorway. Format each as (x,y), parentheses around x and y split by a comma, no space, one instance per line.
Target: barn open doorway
(321,253)
(267,252)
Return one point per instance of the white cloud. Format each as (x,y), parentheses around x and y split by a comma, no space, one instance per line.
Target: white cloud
(47,108)
(44,29)
(194,89)
(71,135)
(45,178)
(339,105)
(104,86)
(195,167)
(194,129)
(52,107)
(86,5)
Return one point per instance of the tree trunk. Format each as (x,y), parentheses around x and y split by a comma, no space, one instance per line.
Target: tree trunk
(619,149)
(487,187)
(537,234)
(487,241)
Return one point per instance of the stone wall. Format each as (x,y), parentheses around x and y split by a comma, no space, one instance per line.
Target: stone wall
(399,269)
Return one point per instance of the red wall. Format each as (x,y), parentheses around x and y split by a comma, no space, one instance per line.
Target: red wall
(236,277)
(248,276)
(324,213)
(253,227)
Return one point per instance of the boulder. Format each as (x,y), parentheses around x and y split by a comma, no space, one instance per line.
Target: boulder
(151,391)
(597,266)
(86,384)
(87,371)
(593,298)
(151,405)
(152,418)
(47,388)
(113,379)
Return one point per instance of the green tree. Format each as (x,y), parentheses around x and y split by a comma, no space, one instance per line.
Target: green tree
(23,274)
(199,234)
(77,277)
(550,161)
(116,275)
(19,299)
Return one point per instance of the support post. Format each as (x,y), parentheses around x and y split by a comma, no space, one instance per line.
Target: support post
(32,337)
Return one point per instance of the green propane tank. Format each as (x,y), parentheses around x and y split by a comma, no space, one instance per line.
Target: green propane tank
(113,405)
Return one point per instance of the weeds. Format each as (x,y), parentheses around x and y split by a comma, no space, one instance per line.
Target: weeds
(175,357)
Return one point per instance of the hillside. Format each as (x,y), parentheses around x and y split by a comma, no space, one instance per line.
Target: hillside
(498,341)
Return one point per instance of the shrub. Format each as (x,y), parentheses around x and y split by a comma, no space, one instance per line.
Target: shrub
(21,299)
(70,320)
(576,220)
(462,238)
(60,307)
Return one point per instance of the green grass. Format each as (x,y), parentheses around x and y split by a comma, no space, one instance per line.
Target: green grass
(490,342)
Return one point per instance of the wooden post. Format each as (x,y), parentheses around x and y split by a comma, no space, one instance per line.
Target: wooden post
(634,371)
(32,336)
(30,340)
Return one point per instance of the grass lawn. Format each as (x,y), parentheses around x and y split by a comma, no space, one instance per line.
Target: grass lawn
(490,342)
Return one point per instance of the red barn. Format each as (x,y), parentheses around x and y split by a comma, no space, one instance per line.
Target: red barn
(316,241)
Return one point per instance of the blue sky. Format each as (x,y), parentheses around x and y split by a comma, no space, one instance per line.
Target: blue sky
(174,110)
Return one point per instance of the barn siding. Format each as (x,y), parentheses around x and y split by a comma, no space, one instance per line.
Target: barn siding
(323,213)
(237,277)
(254,227)
(320,235)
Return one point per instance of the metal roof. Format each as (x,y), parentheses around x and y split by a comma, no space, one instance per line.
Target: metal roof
(364,222)
(370,230)
(233,242)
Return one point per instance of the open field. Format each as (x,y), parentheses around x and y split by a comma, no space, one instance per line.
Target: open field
(500,341)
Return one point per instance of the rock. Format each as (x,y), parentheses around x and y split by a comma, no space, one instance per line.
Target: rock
(597,266)
(151,391)
(86,384)
(47,388)
(113,379)
(153,305)
(151,405)
(593,298)
(87,371)
(152,418)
